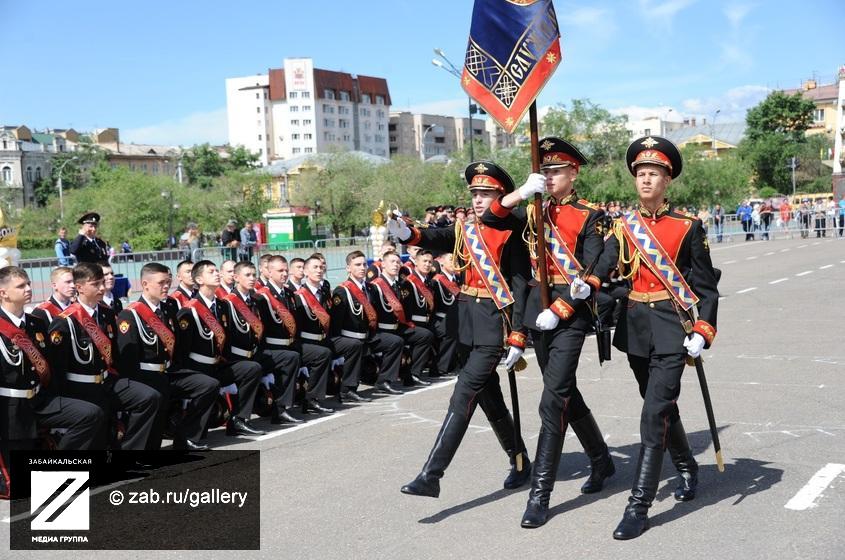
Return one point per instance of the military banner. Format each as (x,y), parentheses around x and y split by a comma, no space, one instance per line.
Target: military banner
(514,47)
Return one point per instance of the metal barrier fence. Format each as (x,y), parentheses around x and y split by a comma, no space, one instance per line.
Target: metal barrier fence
(128,265)
(805,226)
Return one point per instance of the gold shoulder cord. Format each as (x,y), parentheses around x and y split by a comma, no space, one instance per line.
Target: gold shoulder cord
(529,234)
(458,255)
(631,264)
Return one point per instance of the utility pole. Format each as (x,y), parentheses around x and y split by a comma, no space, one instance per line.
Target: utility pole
(793,165)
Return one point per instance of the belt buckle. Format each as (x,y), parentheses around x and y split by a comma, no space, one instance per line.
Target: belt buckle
(30,393)
(647,297)
(98,378)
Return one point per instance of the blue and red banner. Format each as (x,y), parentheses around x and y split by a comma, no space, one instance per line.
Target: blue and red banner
(514,47)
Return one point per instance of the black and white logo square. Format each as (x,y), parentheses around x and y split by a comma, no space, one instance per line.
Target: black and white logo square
(59,500)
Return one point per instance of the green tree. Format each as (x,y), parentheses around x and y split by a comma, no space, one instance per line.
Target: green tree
(774,134)
(706,181)
(242,159)
(202,164)
(600,136)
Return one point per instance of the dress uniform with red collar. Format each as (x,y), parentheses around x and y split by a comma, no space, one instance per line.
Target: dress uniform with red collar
(146,340)
(574,228)
(28,399)
(85,366)
(650,330)
(484,327)
(415,291)
(204,346)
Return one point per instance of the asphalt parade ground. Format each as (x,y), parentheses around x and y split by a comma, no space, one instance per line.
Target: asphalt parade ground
(330,487)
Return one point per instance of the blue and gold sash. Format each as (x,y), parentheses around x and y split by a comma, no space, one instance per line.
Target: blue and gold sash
(658,261)
(486,266)
(565,262)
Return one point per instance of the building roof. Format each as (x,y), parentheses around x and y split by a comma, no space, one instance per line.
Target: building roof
(726,133)
(43,138)
(828,92)
(373,87)
(124,149)
(279,167)
(332,80)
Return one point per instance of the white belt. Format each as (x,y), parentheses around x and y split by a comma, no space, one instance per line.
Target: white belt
(278,341)
(19,393)
(419,318)
(388,326)
(441,314)
(241,352)
(84,378)
(202,358)
(353,334)
(312,336)
(146,366)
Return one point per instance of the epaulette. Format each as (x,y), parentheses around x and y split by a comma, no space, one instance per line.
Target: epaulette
(685,214)
(588,204)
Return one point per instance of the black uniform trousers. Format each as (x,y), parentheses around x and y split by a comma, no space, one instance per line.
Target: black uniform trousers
(246,375)
(557,353)
(284,365)
(445,342)
(199,388)
(317,357)
(390,346)
(659,380)
(478,385)
(421,340)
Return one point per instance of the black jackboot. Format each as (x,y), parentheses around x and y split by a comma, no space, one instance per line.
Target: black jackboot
(448,439)
(503,428)
(543,478)
(684,461)
(635,519)
(601,463)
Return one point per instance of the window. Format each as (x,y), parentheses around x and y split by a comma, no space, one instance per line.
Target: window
(328,108)
(292,95)
(365,98)
(391,127)
(328,94)
(28,174)
(294,136)
(343,123)
(326,135)
(258,109)
(309,150)
(306,95)
(343,110)
(367,125)
(818,115)
(37,173)
(308,136)
(379,138)
(144,167)
(259,137)
(379,100)
(346,138)
(328,122)
(294,122)
(344,96)
(294,109)
(380,114)
(306,107)
(295,151)
(306,122)
(257,95)
(381,126)
(647,132)
(260,151)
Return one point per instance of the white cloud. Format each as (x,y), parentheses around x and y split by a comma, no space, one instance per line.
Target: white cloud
(736,13)
(196,128)
(598,22)
(663,12)
(638,112)
(732,106)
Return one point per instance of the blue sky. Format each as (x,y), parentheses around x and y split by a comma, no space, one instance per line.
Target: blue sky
(156,69)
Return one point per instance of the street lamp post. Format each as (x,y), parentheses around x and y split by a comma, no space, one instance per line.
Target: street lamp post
(317,205)
(449,67)
(171,207)
(422,141)
(59,185)
(713,131)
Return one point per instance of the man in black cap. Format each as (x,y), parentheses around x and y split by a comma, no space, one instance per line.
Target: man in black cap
(87,247)
(491,303)
(665,257)
(575,231)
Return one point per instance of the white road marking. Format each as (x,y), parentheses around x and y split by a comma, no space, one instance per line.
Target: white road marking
(298,427)
(802,246)
(728,262)
(825,266)
(721,298)
(816,243)
(769,253)
(807,496)
(806,272)
(784,250)
(750,258)
(779,280)
(747,290)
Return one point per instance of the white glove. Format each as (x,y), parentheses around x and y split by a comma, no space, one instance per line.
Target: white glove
(398,229)
(268,380)
(514,354)
(694,345)
(547,320)
(535,184)
(303,372)
(579,289)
